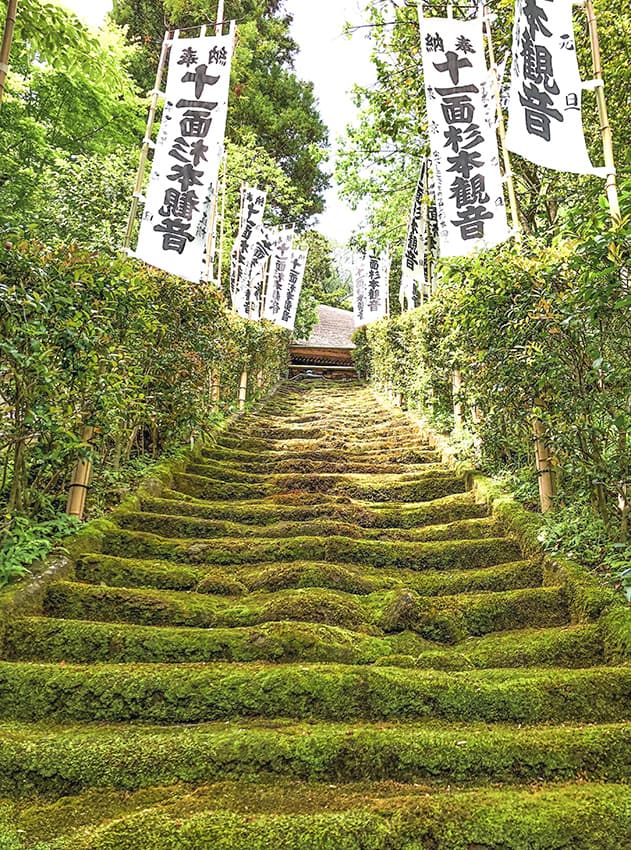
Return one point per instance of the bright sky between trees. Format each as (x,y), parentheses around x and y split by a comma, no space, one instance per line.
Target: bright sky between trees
(333,62)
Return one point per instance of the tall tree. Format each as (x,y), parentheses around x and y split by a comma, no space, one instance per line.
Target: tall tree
(266,98)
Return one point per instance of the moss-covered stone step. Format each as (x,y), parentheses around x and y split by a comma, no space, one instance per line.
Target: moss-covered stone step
(444,554)
(445,619)
(68,760)
(237,580)
(419,487)
(355,446)
(81,642)
(170,525)
(222,468)
(298,815)
(440,511)
(268,461)
(175,694)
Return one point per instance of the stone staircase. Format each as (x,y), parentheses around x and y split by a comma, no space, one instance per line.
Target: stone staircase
(316,640)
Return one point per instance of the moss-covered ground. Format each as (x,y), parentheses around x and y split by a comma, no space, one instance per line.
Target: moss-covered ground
(314,638)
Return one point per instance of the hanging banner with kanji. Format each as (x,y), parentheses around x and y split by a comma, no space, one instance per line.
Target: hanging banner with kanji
(461,112)
(545,123)
(360,288)
(249,293)
(413,264)
(279,275)
(371,275)
(185,172)
(298,265)
(251,218)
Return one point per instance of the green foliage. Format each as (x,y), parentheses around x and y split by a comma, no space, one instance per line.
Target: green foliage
(323,279)
(91,340)
(23,542)
(533,329)
(63,103)
(267,100)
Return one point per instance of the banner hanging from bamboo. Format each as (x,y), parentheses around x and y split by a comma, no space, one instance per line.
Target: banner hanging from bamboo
(413,279)
(461,112)
(371,273)
(545,123)
(249,293)
(250,220)
(280,270)
(298,265)
(185,172)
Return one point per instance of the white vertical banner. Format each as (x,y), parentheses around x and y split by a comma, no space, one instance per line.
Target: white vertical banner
(461,111)
(250,219)
(247,299)
(279,275)
(185,172)
(298,265)
(360,289)
(377,291)
(545,123)
(413,264)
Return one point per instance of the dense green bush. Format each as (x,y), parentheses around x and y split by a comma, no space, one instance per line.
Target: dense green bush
(88,339)
(534,330)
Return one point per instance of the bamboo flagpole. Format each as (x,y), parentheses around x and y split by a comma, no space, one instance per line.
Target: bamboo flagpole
(81,475)
(605,126)
(147,142)
(7,39)
(501,127)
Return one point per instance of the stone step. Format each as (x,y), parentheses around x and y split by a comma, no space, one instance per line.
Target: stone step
(80,642)
(100,756)
(182,526)
(294,815)
(443,554)
(186,693)
(443,619)
(420,487)
(237,580)
(278,509)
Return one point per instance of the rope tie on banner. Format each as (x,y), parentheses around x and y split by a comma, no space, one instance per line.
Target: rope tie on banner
(149,142)
(156,93)
(592,85)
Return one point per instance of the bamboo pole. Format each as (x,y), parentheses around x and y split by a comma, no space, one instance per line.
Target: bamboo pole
(215,387)
(7,38)
(80,481)
(147,143)
(243,390)
(605,126)
(545,466)
(222,226)
(457,387)
(501,130)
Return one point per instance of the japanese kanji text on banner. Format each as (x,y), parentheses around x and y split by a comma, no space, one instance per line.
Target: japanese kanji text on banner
(184,177)
(461,111)
(545,124)
(298,265)
(413,264)
(370,288)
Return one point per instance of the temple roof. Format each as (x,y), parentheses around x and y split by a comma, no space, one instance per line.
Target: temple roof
(334,329)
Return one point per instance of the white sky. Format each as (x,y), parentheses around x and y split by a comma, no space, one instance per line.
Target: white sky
(327,58)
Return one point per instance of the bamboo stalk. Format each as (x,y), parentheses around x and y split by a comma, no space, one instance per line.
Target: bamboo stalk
(144,153)
(80,482)
(605,126)
(7,39)
(545,466)
(243,390)
(457,386)
(501,131)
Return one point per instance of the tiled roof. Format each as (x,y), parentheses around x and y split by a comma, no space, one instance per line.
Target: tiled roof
(334,329)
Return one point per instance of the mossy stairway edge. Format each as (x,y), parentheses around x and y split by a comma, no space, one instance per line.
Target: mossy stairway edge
(312,636)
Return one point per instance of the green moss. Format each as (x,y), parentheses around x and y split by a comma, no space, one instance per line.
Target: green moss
(444,619)
(192,694)
(69,761)
(590,816)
